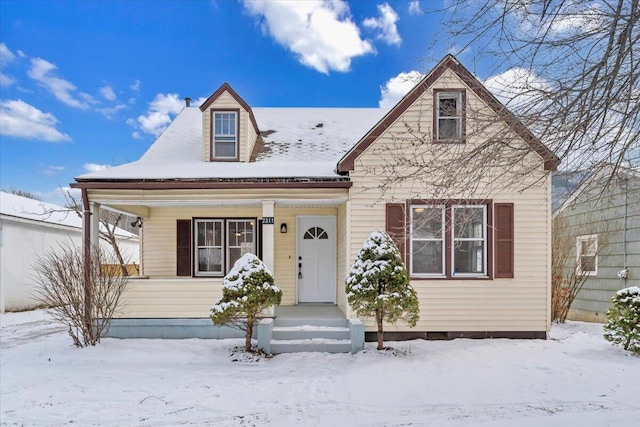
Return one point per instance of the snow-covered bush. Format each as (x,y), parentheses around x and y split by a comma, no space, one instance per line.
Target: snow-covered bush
(247,290)
(623,324)
(378,285)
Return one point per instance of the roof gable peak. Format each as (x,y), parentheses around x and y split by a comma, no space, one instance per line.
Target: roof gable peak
(225,87)
(449,62)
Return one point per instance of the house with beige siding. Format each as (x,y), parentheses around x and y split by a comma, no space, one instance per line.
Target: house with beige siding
(304,187)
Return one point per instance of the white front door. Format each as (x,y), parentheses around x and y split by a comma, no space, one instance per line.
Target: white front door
(316,263)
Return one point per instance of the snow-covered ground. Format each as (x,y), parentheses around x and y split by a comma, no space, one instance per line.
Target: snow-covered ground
(574,378)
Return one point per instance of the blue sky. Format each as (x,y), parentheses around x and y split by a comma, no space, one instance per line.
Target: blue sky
(86,84)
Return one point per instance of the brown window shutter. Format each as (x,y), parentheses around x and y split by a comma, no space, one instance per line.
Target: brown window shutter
(395,218)
(504,240)
(183,260)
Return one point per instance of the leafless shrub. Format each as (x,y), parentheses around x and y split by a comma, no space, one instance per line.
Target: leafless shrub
(82,299)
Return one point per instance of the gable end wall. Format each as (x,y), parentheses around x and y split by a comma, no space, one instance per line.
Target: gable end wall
(520,303)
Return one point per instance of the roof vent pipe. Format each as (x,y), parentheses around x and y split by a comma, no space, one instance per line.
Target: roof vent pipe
(187,101)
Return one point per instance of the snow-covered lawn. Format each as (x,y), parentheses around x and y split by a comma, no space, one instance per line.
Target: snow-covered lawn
(574,378)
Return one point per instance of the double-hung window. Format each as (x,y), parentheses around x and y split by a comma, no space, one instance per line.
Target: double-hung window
(448,240)
(449,112)
(225,135)
(208,239)
(427,240)
(469,241)
(219,243)
(587,255)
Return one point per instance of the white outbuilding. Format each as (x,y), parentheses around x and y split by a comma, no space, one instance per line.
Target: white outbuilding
(30,228)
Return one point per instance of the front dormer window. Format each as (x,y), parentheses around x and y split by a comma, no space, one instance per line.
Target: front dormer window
(225,135)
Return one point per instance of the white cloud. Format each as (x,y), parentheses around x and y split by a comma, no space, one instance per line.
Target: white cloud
(22,120)
(160,113)
(397,87)
(577,17)
(108,93)
(385,24)
(136,135)
(109,112)
(517,87)
(6,80)
(414,7)
(42,71)
(135,86)
(6,57)
(94,167)
(52,170)
(320,33)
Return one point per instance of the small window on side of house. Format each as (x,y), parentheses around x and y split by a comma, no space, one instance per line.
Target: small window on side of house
(587,255)
(449,116)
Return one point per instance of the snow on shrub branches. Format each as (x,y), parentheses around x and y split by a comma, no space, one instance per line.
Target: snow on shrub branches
(378,284)
(623,324)
(247,290)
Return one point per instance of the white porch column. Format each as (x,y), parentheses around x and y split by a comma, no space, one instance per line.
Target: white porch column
(95,223)
(268,233)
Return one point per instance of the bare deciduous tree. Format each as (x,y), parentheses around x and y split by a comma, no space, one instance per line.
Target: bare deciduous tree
(109,223)
(572,71)
(21,193)
(62,278)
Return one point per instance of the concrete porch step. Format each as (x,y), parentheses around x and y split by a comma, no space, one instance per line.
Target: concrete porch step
(303,332)
(280,322)
(321,345)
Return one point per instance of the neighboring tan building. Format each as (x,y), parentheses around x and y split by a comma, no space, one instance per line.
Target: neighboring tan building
(601,217)
(300,188)
(28,230)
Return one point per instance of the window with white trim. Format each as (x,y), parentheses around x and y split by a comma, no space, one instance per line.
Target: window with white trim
(225,134)
(219,243)
(427,240)
(448,112)
(587,255)
(240,240)
(208,251)
(469,241)
(448,240)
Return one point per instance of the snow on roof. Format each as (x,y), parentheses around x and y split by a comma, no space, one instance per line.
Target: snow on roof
(323,134)
(36,210)
(298,142)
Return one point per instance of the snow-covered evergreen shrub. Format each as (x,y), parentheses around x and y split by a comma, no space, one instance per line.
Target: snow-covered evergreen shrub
(247,290)
(378,285)
(623,319)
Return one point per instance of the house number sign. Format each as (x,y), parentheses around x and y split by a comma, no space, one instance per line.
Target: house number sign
(267,220)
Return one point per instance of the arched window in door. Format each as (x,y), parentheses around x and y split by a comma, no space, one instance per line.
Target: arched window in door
(315,233)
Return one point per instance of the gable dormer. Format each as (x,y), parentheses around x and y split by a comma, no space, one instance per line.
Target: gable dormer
(229,129)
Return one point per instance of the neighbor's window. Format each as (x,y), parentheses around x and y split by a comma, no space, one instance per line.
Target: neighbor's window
(427,240)
(225,135)
(448,240)
(587,250)
(219,243)
(448,115)
(469,245)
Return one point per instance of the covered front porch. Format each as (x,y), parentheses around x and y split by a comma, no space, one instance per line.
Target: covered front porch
(300,234)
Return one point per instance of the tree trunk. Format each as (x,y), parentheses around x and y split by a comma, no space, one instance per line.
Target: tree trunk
(247,338)
(380,330)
